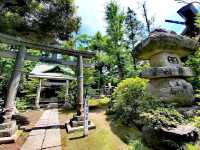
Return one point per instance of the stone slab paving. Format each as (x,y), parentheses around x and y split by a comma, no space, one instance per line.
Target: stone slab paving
(47,136)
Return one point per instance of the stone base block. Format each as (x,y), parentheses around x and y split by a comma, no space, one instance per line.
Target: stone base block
(171,90)
(8,132)
(71,129)
(74,123)
(78,118)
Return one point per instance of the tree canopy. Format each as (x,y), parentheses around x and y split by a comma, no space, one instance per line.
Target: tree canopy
(39,19)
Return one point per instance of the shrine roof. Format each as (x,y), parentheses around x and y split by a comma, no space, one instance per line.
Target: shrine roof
(52,71)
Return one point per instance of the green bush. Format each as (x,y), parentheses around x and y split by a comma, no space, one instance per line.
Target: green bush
(161,117)
(21,104)
(127,96)
(132,103)
(196,121)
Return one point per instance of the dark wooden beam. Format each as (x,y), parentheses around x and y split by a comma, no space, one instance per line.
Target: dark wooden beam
(12,54)
(49,48)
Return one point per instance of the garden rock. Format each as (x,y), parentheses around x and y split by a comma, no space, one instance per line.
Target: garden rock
(67,105)
(52,105)
(189,111)
(173,138)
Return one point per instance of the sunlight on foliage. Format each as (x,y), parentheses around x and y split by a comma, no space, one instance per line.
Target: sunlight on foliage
(98,102)
(191,147)
(137,145)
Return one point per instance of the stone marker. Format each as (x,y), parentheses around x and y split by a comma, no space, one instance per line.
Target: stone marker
(164,50)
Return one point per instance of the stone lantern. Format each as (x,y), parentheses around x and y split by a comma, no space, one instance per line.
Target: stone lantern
(167,74)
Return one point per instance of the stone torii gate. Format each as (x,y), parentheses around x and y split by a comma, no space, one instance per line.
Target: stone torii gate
(8,127)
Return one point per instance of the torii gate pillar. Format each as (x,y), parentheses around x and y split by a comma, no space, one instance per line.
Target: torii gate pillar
(9,126)
(77,122)
(79,103)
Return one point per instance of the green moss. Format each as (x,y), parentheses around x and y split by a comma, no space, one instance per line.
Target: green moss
(108,135)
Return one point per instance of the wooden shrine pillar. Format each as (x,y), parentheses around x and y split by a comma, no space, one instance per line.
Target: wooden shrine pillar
(79,103)
(37,100)
(66,90)
(13,85)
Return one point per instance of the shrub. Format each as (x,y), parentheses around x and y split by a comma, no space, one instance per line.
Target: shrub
(161,117)
(22,104)
(196,121)
(127,96)
(131,103)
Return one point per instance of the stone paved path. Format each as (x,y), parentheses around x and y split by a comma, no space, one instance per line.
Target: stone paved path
(46,135)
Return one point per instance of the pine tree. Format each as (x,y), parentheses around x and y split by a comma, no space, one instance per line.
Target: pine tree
(39,19)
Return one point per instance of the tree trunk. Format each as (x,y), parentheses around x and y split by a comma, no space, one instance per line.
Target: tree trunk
(120,67)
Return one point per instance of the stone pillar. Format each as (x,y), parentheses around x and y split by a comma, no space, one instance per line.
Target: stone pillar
(13,85)
(37,100)
(79,103)
(66,90)
(8,128)
(167,72)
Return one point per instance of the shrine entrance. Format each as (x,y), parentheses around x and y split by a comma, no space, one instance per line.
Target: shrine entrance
(20,55)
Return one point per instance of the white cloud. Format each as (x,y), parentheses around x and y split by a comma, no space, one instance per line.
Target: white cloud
(92,12)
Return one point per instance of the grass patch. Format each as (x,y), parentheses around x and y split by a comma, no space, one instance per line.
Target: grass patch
(129,135)
(98,102)
(108,135)
(101,138)
(66,111)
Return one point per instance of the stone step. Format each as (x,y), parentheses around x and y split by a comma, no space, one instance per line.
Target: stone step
(8,129)
(5,126)
(71,129)
(5,133)
(7,140)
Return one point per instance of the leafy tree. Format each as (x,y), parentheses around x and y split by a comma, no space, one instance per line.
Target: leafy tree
(39,19)
(115,30)
(194,62)
(134,32)
(99,44)
(82,41)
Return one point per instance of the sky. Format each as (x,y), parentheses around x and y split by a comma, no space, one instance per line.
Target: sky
(92,13)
